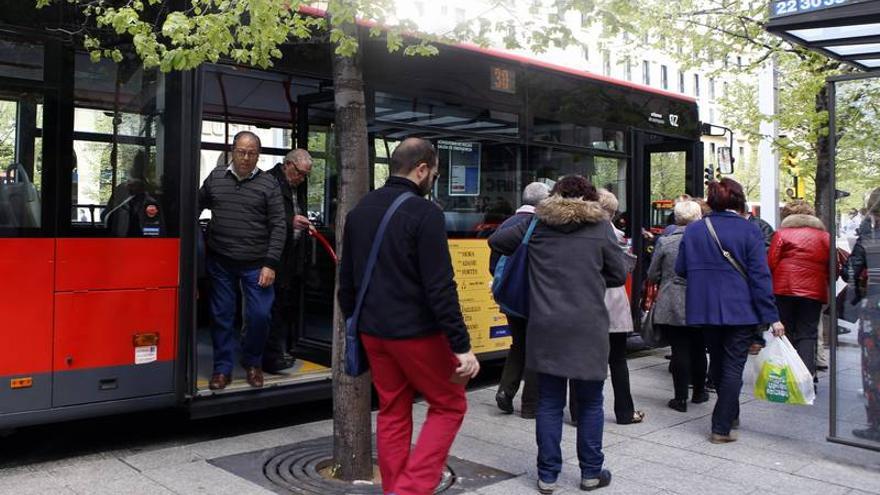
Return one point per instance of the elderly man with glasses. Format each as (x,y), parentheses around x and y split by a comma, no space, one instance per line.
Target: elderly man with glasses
(245,242)
(291,174)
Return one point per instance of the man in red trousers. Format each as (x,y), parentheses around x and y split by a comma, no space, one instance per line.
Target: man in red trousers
(410,322)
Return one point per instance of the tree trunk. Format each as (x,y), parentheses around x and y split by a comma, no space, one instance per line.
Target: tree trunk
(352,437)
(824,202)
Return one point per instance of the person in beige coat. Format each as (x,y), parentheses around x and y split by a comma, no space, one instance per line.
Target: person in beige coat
(620,324)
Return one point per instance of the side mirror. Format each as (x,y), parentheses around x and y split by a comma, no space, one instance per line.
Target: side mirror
(725,160)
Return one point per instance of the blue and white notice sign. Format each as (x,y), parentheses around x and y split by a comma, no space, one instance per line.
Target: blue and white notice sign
(781,8)
(463,159)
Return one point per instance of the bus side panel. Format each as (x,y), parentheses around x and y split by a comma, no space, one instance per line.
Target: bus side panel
(26,278)
(125,263)
(100,351)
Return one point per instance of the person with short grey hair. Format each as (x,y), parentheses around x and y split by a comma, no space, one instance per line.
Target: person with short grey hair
(291,175)
(534,193)
(687,212)
(514,365)
(688,348)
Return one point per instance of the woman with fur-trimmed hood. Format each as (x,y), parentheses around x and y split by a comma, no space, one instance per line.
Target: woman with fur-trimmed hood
(798,259)
(573,258)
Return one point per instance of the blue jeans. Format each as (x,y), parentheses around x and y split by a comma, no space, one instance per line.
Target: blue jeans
(728,351)
(591,419)
(257,308)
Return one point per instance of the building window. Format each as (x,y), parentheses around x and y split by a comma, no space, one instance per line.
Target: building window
(712,145)
(646,39)
(628,70)
(726,62)
(646,72)
(711,88)
(724,90)
(712,117)
(696,85)
(680,82)
(586,51)
(739,62)
(664,77)
(742,153)
(585,21)
(606,62)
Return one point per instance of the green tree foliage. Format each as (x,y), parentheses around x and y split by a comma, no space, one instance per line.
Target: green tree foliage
(713,36)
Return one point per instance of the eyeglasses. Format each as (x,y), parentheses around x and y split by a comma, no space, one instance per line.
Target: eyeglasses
(296,169)
(245,153)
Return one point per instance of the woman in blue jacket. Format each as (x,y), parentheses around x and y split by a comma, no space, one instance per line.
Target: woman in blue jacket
(728,297)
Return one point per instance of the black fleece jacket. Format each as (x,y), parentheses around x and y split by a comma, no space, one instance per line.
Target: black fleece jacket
(413,291)
(247,218)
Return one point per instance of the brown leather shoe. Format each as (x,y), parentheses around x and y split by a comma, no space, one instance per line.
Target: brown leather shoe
(219,381)
(722,439)
(254,377)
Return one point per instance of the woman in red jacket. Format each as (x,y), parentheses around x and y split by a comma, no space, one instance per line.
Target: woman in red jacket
(798,259)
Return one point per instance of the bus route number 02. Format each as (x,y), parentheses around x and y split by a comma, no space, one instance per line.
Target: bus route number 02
(795,6)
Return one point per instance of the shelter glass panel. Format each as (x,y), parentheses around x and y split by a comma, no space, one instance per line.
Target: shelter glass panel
(854,337)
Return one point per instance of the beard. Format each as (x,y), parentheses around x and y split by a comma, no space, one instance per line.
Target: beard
(426,186)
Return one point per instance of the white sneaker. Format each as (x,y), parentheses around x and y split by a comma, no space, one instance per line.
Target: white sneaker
(546,488)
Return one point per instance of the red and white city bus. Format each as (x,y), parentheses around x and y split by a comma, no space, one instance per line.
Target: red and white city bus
(101,265)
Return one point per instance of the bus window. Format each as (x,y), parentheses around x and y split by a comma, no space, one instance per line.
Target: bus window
(384,147)
(21,60)
(20,163)
(550,164)
(668,181)
(322,149)
(122,185)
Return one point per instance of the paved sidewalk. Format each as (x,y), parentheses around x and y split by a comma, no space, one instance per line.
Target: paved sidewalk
(782,450)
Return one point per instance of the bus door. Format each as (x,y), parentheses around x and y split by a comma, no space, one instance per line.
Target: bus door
(664,169)
(314,335)
(27,248)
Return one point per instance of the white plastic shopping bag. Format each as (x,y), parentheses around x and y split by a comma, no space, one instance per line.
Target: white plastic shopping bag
(780,375)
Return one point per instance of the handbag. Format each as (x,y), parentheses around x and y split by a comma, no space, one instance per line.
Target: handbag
(651,335)
(356,362)
(725,253)
(510,284)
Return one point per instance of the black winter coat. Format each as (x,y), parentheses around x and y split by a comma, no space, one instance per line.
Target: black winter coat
(573,258)
(290,258)
(413,291)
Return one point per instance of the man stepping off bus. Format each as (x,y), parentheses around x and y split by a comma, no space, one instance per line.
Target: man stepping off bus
(245,241)
(410,320)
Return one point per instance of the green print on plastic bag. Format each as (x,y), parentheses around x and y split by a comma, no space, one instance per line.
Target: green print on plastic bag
(778,384)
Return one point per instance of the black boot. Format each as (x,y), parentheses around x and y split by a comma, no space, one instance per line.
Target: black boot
(504,401)
(679,405)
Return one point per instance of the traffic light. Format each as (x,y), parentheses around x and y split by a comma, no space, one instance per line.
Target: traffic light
(709,175)
(791,163)
(718,173)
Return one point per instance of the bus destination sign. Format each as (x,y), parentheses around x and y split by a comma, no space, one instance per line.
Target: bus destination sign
(503,80)
(781,8)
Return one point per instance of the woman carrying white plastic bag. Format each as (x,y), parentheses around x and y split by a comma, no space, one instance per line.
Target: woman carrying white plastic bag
(780,374)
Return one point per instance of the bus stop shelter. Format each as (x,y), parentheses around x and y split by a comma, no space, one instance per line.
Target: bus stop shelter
(849,31)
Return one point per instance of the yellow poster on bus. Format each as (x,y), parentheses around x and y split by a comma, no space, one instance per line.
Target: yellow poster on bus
(486,325)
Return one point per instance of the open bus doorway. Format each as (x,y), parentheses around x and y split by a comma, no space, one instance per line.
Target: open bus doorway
(666,168)
(278,109)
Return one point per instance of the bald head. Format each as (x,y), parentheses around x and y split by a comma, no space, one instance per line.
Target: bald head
(411,153)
